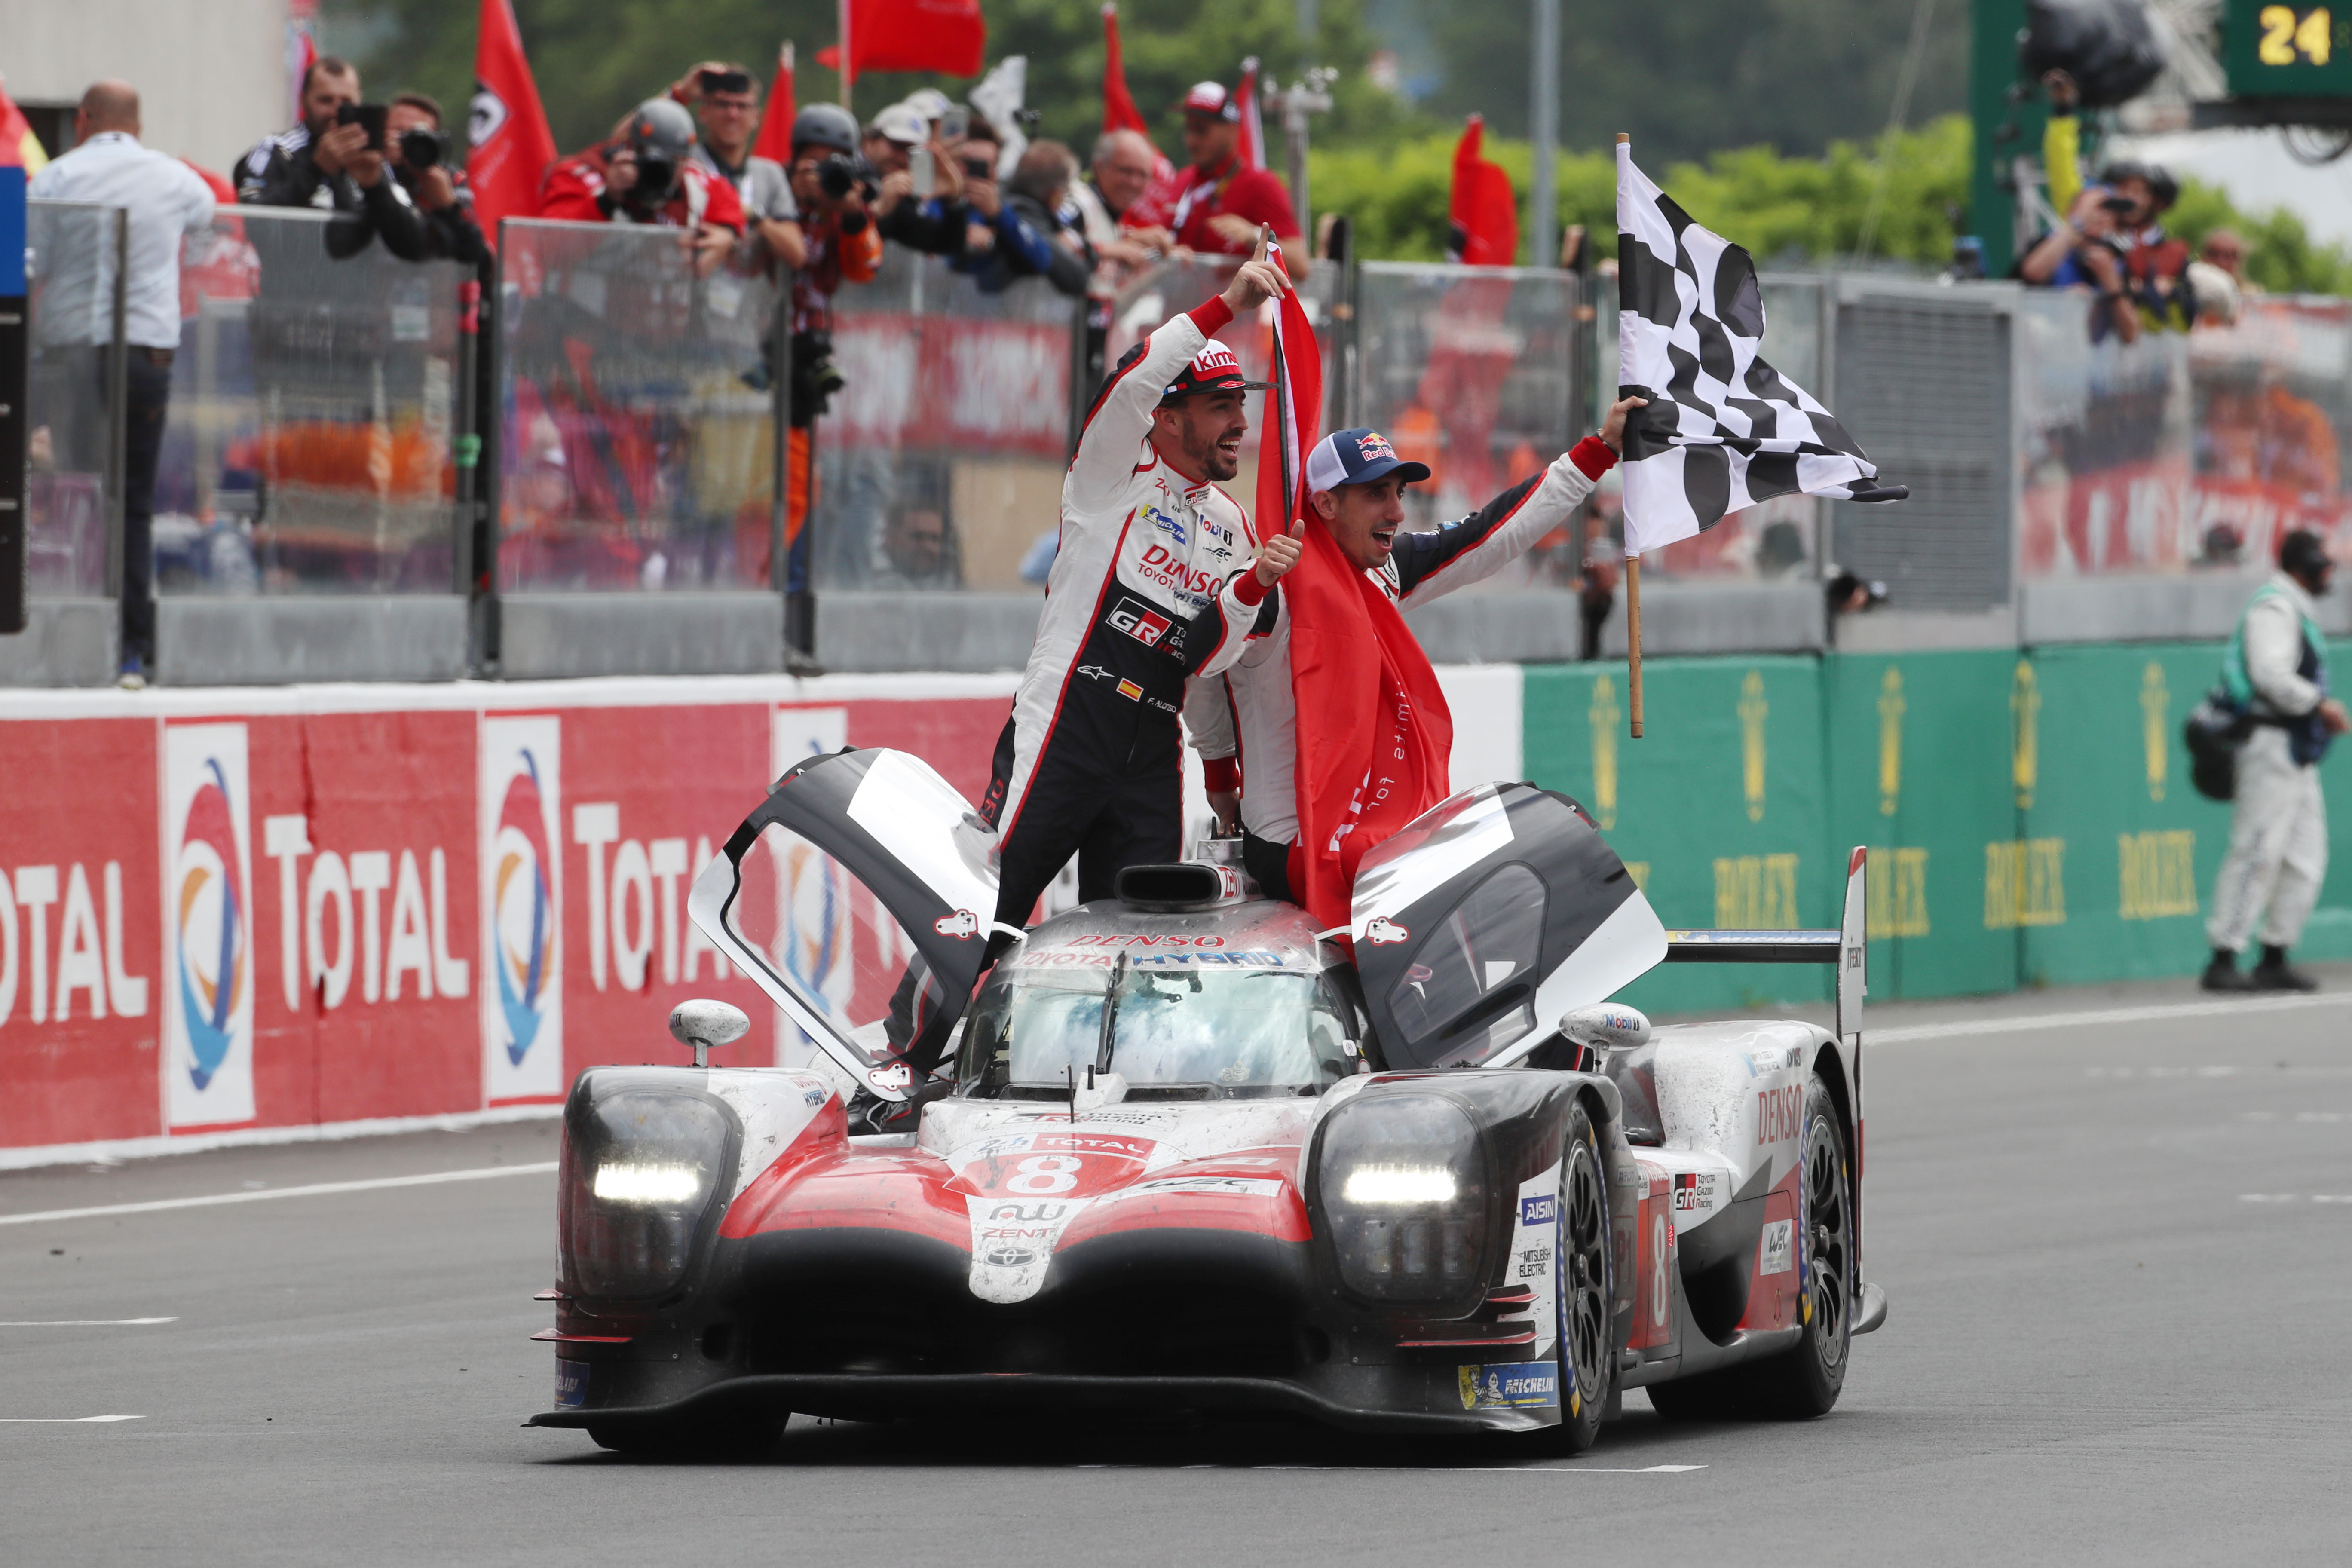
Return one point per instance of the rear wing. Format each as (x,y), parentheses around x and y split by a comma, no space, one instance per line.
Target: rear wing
(1845,947)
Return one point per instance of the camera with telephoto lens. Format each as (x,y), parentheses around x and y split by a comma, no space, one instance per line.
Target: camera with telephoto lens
(840,174)
(423,148)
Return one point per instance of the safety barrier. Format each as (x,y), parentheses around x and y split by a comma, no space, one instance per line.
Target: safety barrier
(73,253)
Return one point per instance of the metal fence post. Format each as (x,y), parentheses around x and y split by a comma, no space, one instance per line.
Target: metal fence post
(117,417)
(485,519)
(15,399)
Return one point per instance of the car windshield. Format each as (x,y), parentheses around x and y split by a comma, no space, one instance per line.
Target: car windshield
(1220,1031)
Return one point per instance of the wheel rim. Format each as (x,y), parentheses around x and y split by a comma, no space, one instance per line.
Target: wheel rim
(1829,1257)
(1584,1266)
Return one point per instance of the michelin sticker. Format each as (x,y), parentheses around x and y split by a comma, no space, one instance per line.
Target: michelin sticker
(1513,1385)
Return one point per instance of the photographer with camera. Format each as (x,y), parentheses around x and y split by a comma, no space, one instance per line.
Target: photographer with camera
(416,152)
(833,187)
(335,161)
(645,172)
(972,224)
(725,98)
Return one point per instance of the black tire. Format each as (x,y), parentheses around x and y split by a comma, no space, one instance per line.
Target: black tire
(1582,1263)
(732,1436)
(1805,1380)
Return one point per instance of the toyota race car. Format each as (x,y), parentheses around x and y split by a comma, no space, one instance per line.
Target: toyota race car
(1183,1152)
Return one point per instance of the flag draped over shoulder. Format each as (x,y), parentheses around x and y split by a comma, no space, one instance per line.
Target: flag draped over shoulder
(1374,736)
(1120,112)
(946,36)
(507,128)
(1483,219)
(1723,429)
(775,141)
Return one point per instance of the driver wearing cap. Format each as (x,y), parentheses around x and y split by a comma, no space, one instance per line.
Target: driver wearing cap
(1356,485)
(1158,572)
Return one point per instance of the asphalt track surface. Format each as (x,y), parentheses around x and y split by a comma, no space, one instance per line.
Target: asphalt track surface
(2119,1249)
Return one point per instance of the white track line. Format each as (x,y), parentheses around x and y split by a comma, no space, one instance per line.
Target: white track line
(320,1189)
(1471,1470)
(62,1420)
(90,1323)
(2158,1015)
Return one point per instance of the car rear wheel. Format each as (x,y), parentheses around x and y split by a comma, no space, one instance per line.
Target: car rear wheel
(1804,1381)
(1587,1353)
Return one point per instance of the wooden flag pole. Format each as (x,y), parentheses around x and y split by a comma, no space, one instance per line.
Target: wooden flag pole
(1632,610)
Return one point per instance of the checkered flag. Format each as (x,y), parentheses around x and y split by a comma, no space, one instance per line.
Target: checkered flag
(1723,430)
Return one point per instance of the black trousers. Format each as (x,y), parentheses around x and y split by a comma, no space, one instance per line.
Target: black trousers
(148,395)
(1109,817)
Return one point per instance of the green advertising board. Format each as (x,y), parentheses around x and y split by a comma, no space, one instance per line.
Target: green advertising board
(2028,814)
(1720,810)
(1922,769)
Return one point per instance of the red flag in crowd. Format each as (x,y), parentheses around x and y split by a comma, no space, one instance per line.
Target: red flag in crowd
(1482,219)
(1252,150)
(19,148)
(301,49)
(1120,112)
(508,129)
(946,36)
(1374,735)
(776,121)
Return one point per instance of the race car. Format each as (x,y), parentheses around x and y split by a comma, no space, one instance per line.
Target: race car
(1181,1150)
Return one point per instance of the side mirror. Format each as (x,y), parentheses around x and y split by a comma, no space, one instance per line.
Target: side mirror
(1607,1025)
(706,1025)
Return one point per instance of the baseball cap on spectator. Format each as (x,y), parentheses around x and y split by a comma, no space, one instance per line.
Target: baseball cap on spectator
(902,123)
(1211,98)
(929,102)
(1357,457)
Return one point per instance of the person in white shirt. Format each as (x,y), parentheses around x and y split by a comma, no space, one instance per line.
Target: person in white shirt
(164,199)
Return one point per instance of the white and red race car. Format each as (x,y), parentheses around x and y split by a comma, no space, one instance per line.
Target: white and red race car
(1183,1152)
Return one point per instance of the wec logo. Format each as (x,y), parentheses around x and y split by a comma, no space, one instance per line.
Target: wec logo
(963,923)
(1379,931)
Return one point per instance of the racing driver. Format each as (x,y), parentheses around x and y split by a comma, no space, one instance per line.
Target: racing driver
(1154,582)
(1356,486)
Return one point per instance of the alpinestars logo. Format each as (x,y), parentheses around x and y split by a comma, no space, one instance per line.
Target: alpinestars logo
(1147,625)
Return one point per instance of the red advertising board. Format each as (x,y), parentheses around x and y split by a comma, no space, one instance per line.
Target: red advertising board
(225,913)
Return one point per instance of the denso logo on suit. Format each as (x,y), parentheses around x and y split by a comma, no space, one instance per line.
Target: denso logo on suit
(1159,565)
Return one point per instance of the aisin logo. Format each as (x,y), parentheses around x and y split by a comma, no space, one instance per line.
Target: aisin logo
(215,956)
(523,901)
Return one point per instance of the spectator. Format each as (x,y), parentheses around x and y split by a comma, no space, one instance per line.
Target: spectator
(2084,251)
(164,199)
(975,227)
(918,552)
(890,140)
(327,162)
(2276,673)
(1219,204)
(725,98)
(1124,163)
(2226,249)
(416,151)
(645,172)
(1038,190)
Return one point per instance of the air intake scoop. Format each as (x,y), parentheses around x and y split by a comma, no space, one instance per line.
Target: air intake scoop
(1176,888)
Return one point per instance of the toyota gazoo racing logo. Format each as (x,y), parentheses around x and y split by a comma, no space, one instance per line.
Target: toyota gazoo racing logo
(1146,626)
(1379,931)
(215,926)
(1375,447)
(523,910)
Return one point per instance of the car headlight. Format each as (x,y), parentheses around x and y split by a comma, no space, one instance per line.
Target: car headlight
(1403,1185)
(640,1170)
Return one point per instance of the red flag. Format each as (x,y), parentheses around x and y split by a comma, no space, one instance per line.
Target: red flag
(1482,219)
(1252,148)
(946,36)
(508,129)
(1120,112)
(776,121)
(20,147)
(1374,735)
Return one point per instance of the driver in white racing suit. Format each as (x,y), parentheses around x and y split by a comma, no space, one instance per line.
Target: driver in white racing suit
(1158,576)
